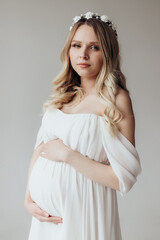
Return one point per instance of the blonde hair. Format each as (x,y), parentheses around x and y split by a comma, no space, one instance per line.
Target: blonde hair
(67,84)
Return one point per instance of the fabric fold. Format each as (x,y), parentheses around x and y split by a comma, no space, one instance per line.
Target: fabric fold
(123,158)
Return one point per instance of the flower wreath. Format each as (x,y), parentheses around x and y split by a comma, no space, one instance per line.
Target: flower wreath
(88,15)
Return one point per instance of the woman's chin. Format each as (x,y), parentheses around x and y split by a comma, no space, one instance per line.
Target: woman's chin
(85,74)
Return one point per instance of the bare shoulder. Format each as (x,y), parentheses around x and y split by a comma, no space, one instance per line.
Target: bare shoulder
(124,103)
(127,125)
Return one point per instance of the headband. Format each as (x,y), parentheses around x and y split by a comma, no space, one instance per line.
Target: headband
(88,15)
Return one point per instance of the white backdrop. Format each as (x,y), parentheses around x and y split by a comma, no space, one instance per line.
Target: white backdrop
(32,34)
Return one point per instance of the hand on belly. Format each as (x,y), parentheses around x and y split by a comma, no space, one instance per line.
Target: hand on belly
(40,214)
(55,150)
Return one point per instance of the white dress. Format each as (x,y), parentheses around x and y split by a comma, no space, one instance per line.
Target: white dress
(89,209)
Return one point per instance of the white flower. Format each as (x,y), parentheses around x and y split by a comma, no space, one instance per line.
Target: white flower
(76,19)
(114,26)
(104,18)
(88,15)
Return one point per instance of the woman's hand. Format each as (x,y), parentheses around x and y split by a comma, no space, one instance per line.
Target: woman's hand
(40,214)
(55,150)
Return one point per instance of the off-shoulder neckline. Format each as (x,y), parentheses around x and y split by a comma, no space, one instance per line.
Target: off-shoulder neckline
(78,114)
(98,116)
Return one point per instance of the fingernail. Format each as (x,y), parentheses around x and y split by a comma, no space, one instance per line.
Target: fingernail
(46,214)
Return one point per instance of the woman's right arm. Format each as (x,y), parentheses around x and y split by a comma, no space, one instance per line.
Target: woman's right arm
(29,204)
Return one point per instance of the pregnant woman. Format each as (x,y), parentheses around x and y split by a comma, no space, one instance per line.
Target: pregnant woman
(85,150)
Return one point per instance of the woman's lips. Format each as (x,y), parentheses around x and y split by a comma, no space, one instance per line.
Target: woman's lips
(83,65)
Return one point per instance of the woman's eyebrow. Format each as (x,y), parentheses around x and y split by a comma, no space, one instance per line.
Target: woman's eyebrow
(81,42)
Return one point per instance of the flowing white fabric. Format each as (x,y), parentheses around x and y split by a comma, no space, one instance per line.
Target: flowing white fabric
(89,209)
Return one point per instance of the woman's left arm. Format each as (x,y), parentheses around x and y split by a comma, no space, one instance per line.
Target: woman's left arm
(96,171)
(56,150)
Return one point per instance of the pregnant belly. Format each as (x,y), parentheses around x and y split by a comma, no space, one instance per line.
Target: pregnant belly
(48,185)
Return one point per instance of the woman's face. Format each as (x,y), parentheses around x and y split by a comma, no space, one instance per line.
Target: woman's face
(85,54)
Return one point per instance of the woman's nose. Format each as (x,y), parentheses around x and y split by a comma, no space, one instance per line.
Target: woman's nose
(84,53)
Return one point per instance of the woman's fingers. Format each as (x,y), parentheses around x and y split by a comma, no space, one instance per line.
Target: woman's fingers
(43,216)
(52,219)
(39,211)
(40,214)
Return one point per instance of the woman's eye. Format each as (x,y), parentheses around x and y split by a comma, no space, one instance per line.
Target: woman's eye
(95,47)
(76,45)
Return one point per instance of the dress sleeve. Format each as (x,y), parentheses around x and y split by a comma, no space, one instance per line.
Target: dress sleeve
(123,158)
(40,134)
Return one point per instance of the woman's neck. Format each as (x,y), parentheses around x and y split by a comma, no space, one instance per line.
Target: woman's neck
(88,85)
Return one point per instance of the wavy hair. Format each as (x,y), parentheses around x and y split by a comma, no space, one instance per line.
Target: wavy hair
(67,84)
